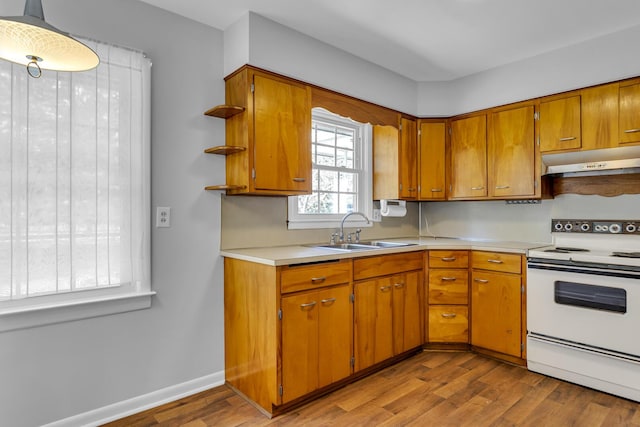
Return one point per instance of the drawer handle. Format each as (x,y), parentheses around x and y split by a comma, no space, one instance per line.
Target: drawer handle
(632,130)
(495,261)
(478,188)
(436,190)
(328,301)
(448,279)
(299,179)
(501,187)
(385,288)
(399,285)
(448,259)
(481,280)
(448,315)
(318,279)
(571,138)
(308,305)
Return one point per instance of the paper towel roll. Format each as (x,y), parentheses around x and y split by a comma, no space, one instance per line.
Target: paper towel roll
(393,208)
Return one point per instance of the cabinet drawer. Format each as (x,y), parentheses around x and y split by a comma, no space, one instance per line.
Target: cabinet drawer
(448,259)
(448,286)
(496,261)
(302,277)
(448,323)
(383,265)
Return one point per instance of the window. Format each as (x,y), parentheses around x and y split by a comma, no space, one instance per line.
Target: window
(74,186)
(341,173)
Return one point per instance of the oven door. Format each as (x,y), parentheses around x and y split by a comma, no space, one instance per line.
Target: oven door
(597,307)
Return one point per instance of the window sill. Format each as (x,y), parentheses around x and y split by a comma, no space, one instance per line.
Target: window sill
(47,314)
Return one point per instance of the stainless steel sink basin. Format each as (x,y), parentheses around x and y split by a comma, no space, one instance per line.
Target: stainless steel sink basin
(363,246)
(347,246)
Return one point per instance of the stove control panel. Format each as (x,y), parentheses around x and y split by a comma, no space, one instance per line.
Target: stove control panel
(598,226)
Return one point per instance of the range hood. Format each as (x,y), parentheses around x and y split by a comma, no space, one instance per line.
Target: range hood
(606,161)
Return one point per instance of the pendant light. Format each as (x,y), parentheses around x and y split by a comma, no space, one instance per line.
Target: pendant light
(30,41)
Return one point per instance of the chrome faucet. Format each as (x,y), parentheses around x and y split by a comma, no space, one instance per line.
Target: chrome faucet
(341,236)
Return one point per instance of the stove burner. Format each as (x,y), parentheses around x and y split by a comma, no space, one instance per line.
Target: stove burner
(565,250)
(626,254)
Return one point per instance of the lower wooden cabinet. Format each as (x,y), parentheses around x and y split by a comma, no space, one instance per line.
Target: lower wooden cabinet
(387,307)
(316,340)
(497,293)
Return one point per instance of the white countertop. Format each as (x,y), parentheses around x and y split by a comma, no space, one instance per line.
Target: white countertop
(297,254)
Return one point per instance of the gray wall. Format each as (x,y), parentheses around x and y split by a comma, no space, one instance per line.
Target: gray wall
(52,372)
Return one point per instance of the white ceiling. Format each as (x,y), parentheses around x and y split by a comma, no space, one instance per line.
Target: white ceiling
(430,40)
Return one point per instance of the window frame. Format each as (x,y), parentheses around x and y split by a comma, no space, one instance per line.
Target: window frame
(40,310)
(363,156)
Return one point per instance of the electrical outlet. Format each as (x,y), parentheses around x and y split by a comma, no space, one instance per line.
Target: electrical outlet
(376,217)
(163,217)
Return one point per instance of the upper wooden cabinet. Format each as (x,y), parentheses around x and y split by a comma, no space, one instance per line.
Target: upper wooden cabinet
(270,131)
(395,161)
(469,158)
(511,153)
(560,127)
(432,160)
(600,116)
(629,120)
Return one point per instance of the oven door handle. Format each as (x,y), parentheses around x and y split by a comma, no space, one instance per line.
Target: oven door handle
(589,268)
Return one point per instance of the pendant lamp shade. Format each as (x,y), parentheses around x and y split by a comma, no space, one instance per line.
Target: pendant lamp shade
(30,41)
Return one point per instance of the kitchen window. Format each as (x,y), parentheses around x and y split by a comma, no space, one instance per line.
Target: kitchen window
(74,190)
(341,174)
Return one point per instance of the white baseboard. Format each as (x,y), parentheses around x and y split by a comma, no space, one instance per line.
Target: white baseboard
(141,403)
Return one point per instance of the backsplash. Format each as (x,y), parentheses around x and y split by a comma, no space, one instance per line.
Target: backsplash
(250,222)
(495,220)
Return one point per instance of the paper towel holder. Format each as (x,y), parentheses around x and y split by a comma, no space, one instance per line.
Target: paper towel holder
(392,205)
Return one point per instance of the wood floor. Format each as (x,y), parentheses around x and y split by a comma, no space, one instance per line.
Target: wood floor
(430,389)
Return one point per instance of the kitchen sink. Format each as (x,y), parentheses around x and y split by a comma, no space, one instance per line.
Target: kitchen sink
(363,246)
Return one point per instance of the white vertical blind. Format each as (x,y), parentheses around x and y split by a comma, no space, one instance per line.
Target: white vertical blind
(74,177)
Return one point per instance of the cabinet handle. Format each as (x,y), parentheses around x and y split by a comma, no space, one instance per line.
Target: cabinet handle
(308,305)
(328,301)
(570,138)
(448,279)
(318,279)
(632,130)
(495,261)
(436,190)
(477,188)
(501,187)
(385,288)
(481,280)
(448,259)
(299,179)
(448,315)
(399,285)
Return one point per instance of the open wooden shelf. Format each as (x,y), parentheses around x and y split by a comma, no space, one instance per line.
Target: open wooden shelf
(225,187)
(224,111)
(224,149)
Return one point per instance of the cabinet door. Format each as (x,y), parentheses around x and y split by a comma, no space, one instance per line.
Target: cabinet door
(511,152)
(407,324)
(560,124)
(496,312)
(299,344)
(335,334)
(386,177)
(373,322)
(432,152)
(469,157)
(282,135)
(408,162)
(629,117)
(600,117)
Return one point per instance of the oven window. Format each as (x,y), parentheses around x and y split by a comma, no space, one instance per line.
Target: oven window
(591,296)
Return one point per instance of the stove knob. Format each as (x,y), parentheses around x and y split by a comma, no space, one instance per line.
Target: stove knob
(631,228)
(585,227)
(568,226)
(615,228)
(558,226)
